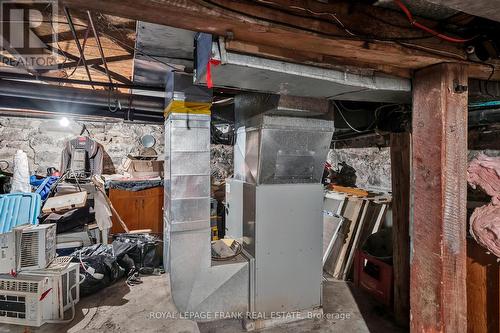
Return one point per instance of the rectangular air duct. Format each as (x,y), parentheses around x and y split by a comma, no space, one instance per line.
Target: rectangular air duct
(246,72)
(197,284)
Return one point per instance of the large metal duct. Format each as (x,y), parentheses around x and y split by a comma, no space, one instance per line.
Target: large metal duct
(250,73)
(197,284)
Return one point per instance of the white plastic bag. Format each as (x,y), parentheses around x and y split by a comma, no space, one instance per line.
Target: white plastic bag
(21,177)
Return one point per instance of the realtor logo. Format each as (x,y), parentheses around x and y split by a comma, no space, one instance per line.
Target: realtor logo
(22,24)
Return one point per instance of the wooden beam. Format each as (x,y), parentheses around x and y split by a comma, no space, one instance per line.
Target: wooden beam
(400,170)
(114,75)
(254,23)
(439,163)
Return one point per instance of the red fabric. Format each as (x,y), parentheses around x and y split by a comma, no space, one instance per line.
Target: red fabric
(484,172)
(211,62)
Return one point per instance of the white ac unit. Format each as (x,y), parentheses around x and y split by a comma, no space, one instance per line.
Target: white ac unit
(26,299)
(27,247)
(35,297)
(66,284)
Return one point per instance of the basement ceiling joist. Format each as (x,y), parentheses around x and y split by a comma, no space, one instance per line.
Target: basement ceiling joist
(297,27)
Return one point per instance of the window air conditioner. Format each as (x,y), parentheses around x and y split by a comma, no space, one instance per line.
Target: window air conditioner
(27,247)
(36,297)
(66,282)
(26,299)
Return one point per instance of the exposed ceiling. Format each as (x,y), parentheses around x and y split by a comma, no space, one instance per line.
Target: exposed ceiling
(141,53)
(484,8)
(117,36)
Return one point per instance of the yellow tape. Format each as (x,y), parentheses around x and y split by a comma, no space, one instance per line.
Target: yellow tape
(187,108)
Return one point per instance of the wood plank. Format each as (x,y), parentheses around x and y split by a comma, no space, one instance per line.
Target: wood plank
(351,213)
(483,290)
(439,160)
(369,223)
(400,169)
(225,18)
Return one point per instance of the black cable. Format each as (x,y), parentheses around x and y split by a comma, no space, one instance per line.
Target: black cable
(84,128)
(489,76)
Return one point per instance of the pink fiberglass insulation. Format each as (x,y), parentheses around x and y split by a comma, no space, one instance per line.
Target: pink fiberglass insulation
(484,172)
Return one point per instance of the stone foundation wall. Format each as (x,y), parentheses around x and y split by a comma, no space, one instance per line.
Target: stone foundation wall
(373,165)
(43,140)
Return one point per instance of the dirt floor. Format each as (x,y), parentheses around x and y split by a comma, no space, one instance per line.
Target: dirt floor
(148,307)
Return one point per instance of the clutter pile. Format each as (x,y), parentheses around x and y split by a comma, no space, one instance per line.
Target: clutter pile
(54,233)
(353,218)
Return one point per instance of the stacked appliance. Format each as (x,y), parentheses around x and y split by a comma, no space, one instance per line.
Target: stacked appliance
(35,286)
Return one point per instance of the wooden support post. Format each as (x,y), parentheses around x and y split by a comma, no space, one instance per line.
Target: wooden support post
(400,169)
(439,163)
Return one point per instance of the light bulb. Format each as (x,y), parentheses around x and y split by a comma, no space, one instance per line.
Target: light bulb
(64,122)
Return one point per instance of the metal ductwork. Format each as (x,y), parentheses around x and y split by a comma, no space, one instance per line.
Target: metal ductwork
(197,284)
(278,141)
(276,198)
(234,70)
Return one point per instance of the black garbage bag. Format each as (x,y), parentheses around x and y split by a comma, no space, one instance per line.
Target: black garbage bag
(99,265)
(143,249)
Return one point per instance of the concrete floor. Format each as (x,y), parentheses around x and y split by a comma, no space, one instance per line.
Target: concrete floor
(120,308)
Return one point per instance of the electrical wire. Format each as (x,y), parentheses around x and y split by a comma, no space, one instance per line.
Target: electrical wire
(349,109)
(345,120)
(336,36)
(425,28)
(332,15)
(83,49)
(350,31)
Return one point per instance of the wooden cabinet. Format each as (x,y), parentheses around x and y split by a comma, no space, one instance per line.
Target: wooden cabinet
(139,209)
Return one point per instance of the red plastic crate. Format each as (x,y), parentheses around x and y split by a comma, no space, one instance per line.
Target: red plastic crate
(375,276)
